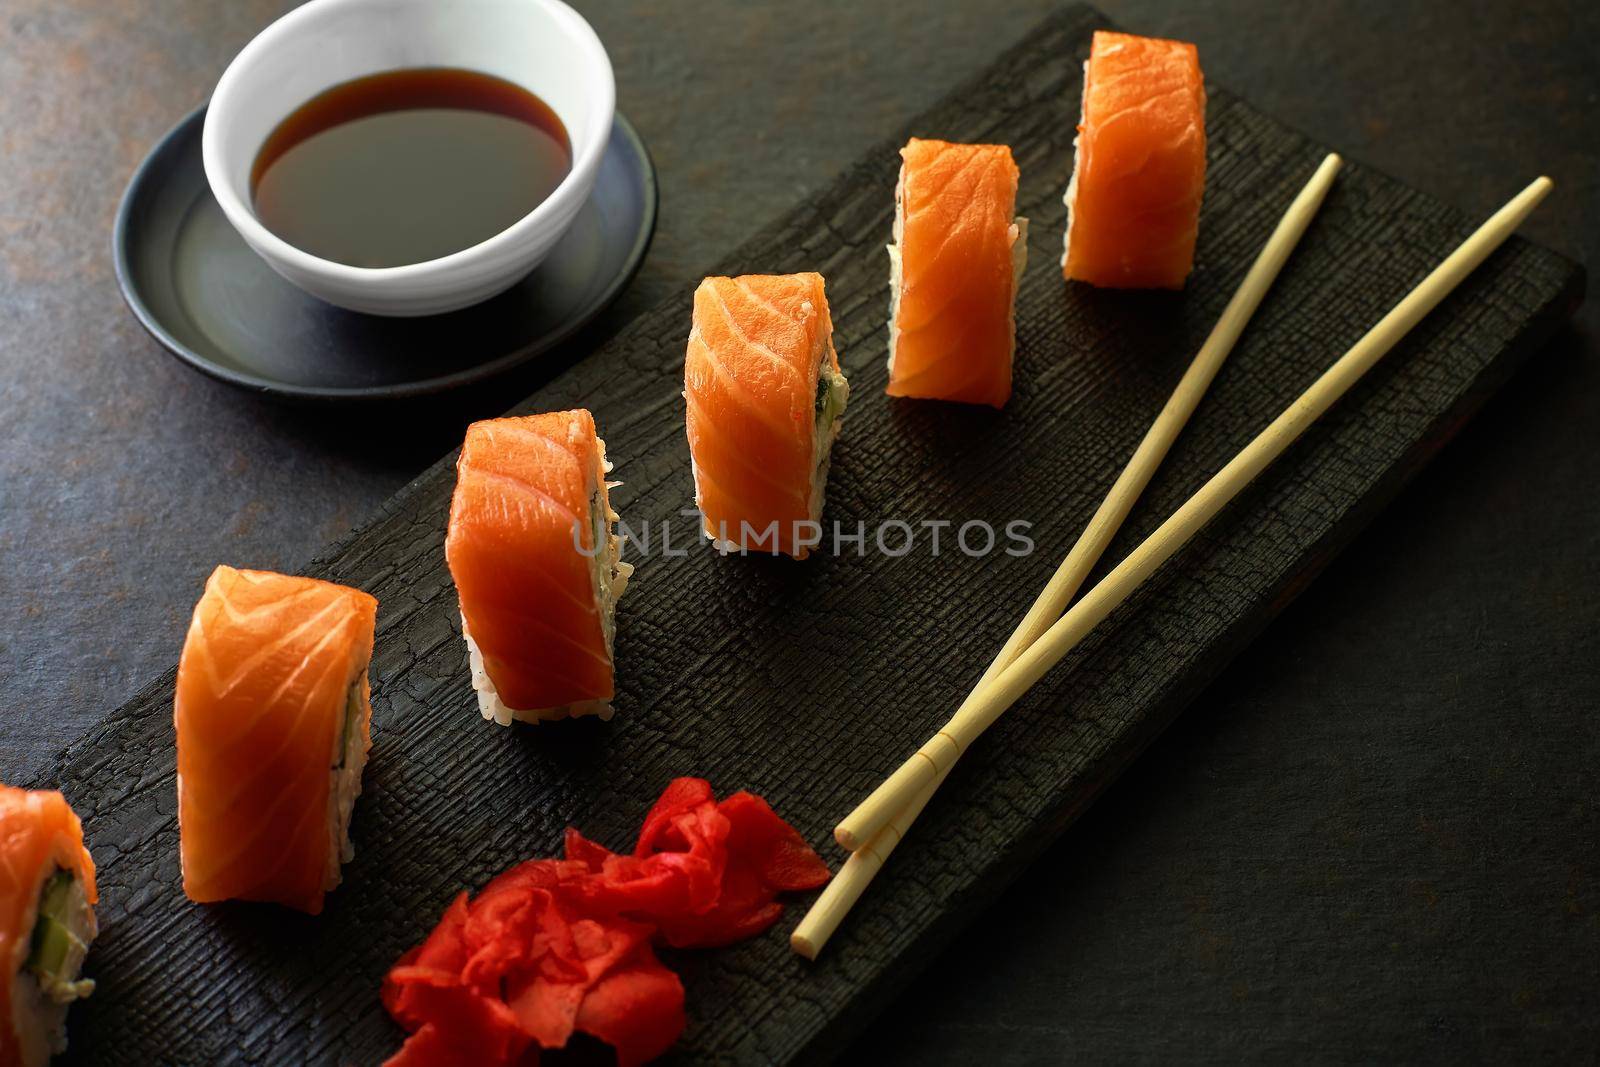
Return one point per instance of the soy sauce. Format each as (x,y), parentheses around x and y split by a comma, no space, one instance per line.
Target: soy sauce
(408,165)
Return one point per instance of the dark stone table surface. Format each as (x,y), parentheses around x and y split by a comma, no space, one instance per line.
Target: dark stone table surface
(1375,836)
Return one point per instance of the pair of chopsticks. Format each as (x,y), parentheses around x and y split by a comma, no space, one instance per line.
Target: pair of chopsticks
(1049,631)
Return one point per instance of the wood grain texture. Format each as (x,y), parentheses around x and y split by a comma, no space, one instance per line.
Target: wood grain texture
(808,682)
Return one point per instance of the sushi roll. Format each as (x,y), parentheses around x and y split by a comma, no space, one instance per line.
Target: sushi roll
(765,397)
(273,713)
(954,269)
(1133,202)
(535,559)
(47,923)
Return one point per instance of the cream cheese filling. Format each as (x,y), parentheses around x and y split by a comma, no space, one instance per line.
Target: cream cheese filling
(833,394)
(344,776)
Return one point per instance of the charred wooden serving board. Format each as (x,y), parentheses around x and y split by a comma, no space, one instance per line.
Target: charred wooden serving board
(808,682)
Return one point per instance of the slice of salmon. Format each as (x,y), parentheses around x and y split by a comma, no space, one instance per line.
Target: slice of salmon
(39,835)
(1133,203)
(272,719)
(535,564)
(953,273)
(765,397)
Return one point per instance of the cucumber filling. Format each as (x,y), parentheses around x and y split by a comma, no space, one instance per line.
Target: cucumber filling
(832,392)
(57,949)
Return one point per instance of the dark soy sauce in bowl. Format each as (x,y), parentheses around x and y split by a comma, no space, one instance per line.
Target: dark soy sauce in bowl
(407,166)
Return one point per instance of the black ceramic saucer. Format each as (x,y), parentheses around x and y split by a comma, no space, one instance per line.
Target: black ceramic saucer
(200,290)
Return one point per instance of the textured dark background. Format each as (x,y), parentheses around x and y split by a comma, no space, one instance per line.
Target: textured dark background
(1375,833)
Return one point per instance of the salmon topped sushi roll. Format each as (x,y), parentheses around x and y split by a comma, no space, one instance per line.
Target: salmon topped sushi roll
(536,565)
(47,898)
(1133,202)
(765,398)
(273,715)
(954,270)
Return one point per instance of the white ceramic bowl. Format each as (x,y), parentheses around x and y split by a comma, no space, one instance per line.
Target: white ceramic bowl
(542,45)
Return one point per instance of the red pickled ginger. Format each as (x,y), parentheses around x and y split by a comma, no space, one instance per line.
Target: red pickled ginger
(552,947)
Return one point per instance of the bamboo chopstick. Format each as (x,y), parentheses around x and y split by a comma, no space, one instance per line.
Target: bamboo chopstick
(987,704)
(847,886)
